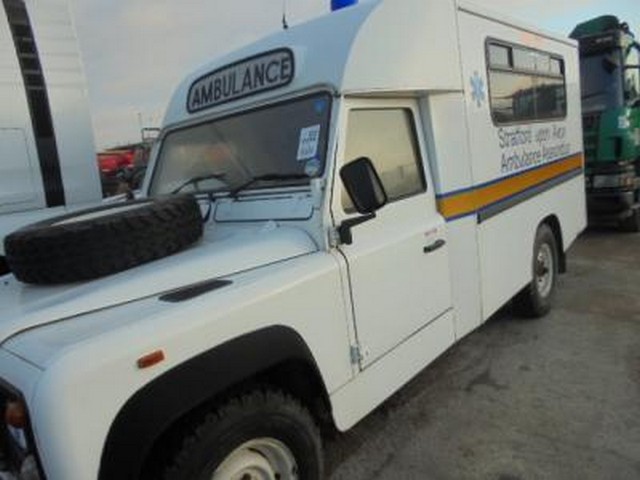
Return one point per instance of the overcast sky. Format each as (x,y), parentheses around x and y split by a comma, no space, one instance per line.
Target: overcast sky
(136,51)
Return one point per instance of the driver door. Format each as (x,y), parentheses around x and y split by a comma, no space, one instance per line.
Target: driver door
(398,262)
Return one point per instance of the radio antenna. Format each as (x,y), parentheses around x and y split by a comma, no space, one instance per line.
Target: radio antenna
(285,24)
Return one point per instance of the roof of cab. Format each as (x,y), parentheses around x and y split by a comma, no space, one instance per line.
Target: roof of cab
(376,45)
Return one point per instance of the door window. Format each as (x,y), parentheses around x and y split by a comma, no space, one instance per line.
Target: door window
(388,138)
(632,77)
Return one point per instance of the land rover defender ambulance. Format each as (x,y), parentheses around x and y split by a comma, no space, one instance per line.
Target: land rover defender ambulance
(368,187)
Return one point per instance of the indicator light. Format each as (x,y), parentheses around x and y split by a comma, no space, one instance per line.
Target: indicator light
(151,359)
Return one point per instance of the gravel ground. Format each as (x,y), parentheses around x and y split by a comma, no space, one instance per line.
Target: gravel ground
(556,398)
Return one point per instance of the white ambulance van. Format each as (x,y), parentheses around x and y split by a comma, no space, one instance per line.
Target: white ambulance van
(347,199)
(47,154)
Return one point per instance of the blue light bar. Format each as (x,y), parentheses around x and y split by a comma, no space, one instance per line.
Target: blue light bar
(338,4)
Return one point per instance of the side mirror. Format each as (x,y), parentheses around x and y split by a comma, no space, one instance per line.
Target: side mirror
(363,184)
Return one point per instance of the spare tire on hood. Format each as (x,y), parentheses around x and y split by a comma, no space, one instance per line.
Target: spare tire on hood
(93,243)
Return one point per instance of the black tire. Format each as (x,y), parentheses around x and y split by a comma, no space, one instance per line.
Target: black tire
(114,238)
(632,222)
(534,301)
(4,266)
(256,416)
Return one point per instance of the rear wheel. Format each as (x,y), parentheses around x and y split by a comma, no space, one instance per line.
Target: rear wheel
(264,435)
(535,299)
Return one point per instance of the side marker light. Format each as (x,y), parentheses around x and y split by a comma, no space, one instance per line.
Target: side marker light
(151,359)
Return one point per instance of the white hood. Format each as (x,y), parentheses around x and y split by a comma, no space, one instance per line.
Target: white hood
(24,306)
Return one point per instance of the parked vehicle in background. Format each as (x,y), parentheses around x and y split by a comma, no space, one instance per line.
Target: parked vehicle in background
(123,168)
(47,152)
(116,169)
(610,75)
(327,211)
(113,162)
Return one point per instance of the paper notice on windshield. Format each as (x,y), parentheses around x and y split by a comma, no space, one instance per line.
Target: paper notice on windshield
(309,140)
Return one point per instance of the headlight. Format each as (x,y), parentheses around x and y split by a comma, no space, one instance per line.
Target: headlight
(625,180)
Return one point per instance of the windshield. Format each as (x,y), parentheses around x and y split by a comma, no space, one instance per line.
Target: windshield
(601,77)
(285,143)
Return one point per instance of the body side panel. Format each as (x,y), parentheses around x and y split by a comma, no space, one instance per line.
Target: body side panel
(506,239)
(78,384)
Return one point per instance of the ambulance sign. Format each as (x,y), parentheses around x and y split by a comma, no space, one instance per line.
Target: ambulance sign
(274,69)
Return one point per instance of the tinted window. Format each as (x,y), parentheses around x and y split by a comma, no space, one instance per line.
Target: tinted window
(601,83)
(555,67)
(526,85)
(499,56)
(512,97)
(524,59)
(388,138)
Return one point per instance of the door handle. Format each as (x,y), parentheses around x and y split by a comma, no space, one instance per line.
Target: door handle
(434,246)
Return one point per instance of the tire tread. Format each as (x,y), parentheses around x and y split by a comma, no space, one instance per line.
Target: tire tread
(195,434)
(52,253)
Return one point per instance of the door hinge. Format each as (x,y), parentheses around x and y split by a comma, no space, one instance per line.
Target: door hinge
(334,238)
(358,354)
(355,354)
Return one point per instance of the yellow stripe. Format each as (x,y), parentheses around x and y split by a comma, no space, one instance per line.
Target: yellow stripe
(474,200)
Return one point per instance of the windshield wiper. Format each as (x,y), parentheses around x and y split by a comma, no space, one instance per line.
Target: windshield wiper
(268,177)
(198,179)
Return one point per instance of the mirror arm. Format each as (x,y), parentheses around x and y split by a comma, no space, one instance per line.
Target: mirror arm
(344,230)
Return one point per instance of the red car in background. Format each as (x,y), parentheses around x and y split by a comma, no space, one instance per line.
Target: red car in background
(122,169)
(114,162)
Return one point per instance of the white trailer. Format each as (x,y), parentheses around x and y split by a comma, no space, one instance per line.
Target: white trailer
(47,153)
(374,185)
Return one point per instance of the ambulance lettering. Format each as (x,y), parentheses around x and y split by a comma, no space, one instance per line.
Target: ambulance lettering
(249,77)
(531,146)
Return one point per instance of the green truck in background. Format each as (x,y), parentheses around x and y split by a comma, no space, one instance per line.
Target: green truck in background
(610,75)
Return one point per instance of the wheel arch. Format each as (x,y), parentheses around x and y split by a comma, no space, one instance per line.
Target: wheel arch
(277,355)
(554,224)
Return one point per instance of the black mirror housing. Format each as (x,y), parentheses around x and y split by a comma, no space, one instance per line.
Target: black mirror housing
(363,185)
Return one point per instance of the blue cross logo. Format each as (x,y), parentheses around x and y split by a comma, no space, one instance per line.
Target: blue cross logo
(477,85)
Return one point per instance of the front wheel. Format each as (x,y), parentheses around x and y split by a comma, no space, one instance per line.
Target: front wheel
(264,435)
(535,299)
